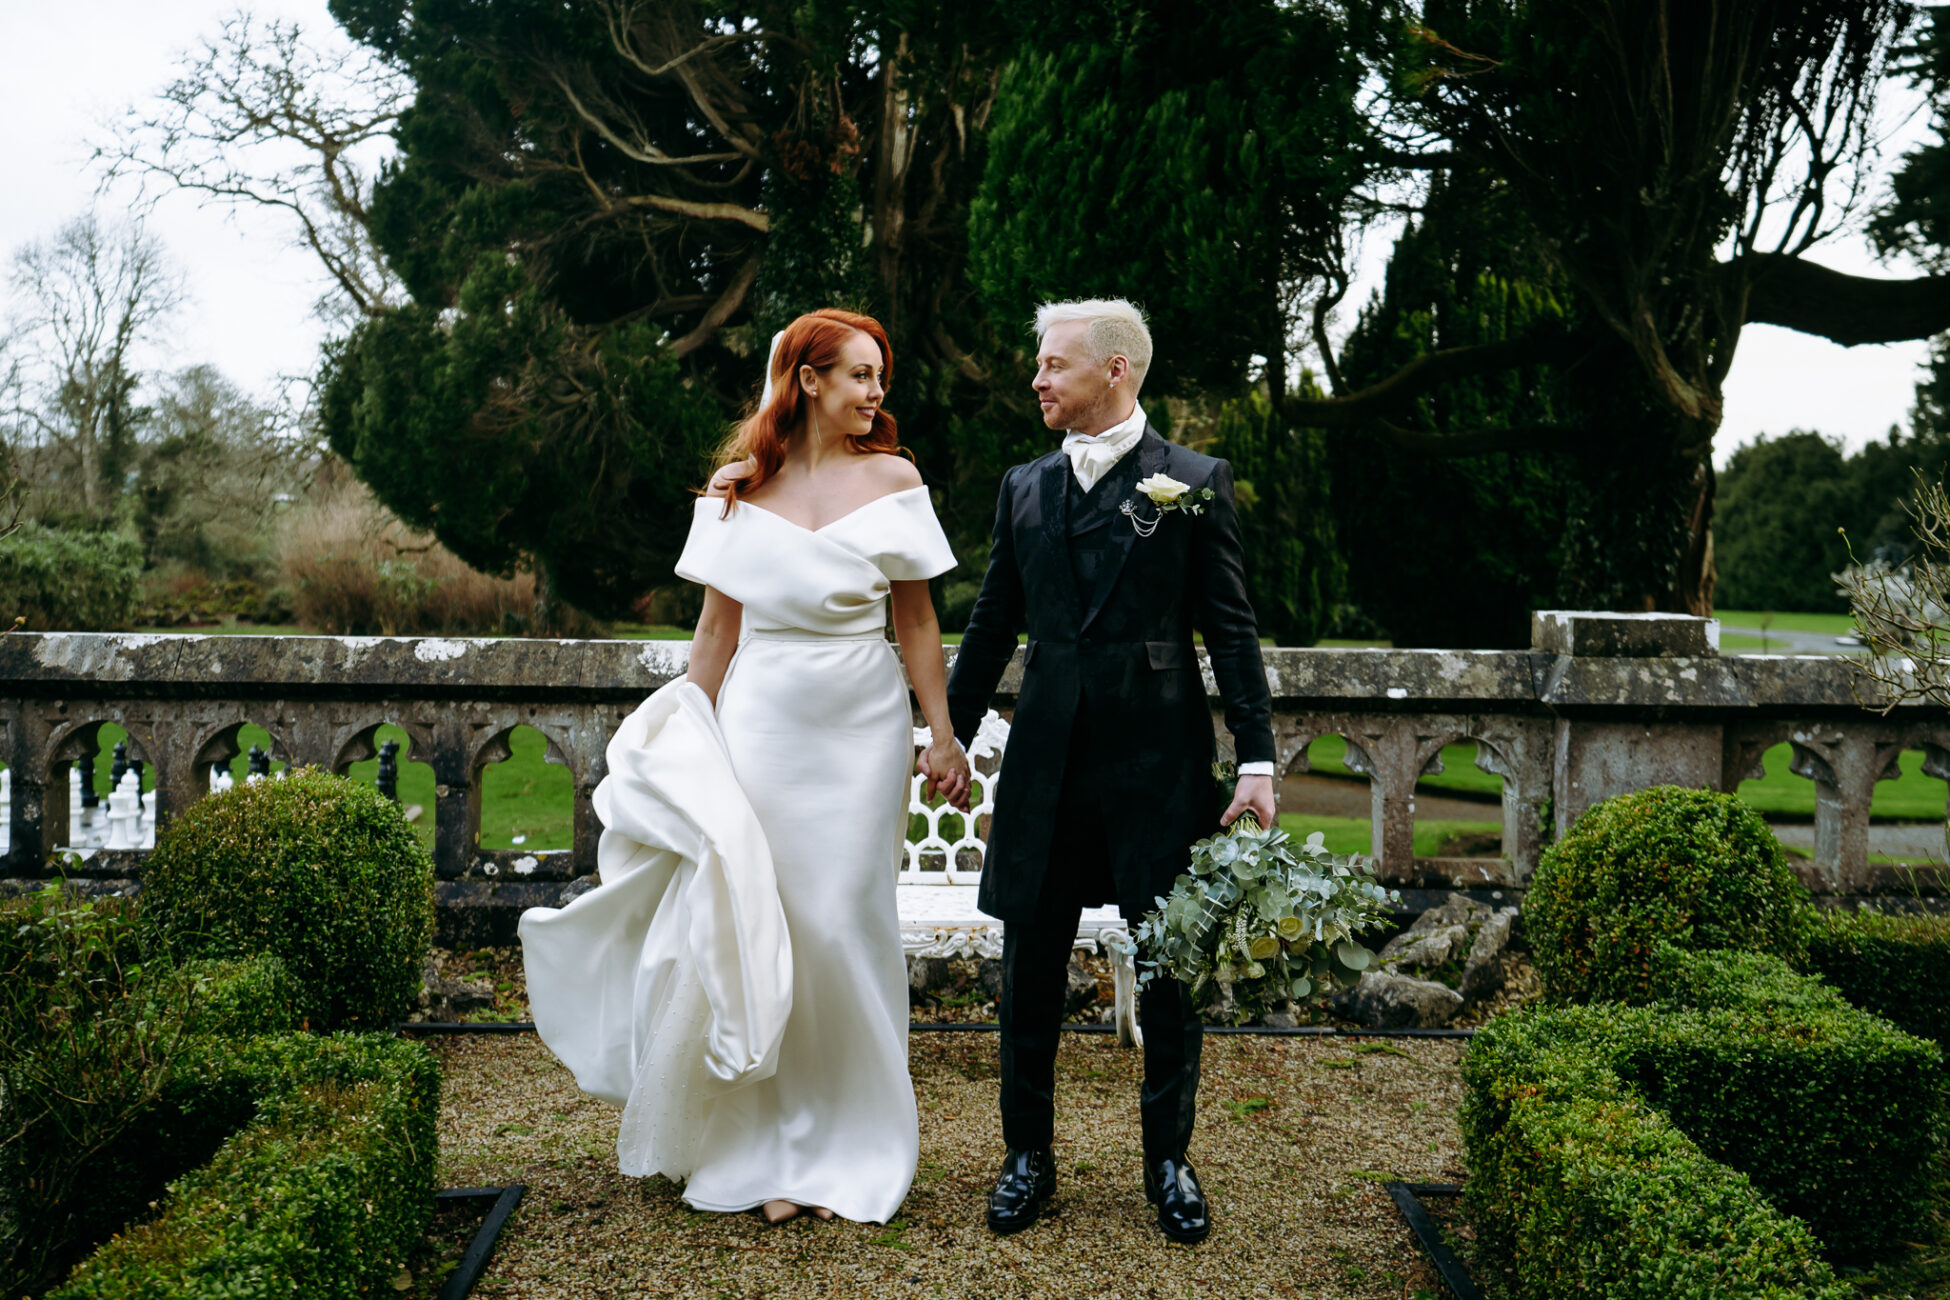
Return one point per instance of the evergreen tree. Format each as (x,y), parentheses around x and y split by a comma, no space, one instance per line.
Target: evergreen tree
(1295,571)
(1457,550)
(1785,502)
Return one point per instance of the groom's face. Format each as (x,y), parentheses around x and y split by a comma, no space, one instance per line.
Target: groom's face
(1073,385)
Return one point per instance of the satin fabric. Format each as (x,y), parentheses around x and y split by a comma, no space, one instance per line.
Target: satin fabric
(816,732)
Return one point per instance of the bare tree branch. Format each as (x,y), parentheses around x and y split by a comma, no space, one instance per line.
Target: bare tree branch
(228,128)
(728,302)
(88,298)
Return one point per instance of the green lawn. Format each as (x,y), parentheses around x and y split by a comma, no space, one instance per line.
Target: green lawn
(1910,797)
(1833,624)
(1352,834)
(648,632)
(1459,771)
(231,629)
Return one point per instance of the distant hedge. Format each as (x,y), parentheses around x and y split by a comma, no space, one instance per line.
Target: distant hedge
(318,870)
(61,580)
(1692,868)
(1895,966)
(1660,1150)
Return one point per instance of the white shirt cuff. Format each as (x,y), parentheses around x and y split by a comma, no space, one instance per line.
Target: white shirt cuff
(1255,769)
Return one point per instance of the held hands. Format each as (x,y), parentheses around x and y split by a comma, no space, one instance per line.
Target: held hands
(1253,794)
(946,768)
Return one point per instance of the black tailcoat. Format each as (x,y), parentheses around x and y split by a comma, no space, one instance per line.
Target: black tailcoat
(1110,677)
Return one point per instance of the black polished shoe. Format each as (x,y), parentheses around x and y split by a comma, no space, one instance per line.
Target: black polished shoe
(1172,1186)
(1028,1178)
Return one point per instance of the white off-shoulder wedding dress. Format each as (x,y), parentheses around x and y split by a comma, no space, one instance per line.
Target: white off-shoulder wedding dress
(736,981)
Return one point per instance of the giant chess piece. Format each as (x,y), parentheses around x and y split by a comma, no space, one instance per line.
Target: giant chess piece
(387,782)
(125,813)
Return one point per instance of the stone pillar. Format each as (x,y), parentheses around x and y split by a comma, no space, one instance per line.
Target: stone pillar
(1845,768)
(1593,760)
(456,796)
(1389,753)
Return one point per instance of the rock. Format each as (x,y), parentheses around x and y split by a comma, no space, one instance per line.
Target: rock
(1387,1000)
(1459,929)
(988,971)
(925,977)
(1455,910)
(1433,950)
(1080,989)
(1281,1020)
(1485,973)
(446,999)
(576,889)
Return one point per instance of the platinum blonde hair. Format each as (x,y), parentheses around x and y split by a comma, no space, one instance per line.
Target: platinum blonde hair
(1117,328)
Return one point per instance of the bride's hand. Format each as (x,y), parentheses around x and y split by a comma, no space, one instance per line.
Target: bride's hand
(945,766)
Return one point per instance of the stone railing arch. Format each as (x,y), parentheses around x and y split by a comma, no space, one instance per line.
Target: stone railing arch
(1601,703)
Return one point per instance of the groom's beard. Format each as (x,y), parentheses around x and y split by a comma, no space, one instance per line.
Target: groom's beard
(1099,415)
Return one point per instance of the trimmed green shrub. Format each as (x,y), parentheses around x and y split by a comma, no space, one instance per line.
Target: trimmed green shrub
(88,1036)
(1895,966)
(91,1036)
(1833,1112)
(240,997)
(1692,868)
(1660,1150)
(322,872)
(321,1193)
(62,580)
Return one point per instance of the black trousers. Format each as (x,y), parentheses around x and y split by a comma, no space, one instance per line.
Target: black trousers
(1035,967)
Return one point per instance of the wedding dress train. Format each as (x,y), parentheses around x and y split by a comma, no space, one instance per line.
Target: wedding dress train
(736,982)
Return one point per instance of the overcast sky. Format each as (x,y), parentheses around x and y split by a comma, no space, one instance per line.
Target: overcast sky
(66,68)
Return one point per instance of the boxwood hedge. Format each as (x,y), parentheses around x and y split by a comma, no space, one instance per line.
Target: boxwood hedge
(321,1192)
(173,1103)
(320,871)
(1895,966)
(1664,1150)
(1692,868)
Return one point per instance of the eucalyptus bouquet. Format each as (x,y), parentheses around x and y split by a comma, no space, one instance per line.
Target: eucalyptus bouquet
(1269,921)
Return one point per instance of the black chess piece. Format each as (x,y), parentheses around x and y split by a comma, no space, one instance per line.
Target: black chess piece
(387,782)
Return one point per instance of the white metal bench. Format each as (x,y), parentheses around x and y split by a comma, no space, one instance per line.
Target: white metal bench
(937,892)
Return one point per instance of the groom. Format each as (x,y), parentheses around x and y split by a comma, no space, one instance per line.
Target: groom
(1107,778)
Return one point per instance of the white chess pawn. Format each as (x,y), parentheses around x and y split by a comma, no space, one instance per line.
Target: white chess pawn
(77,815)
(220,779)
(125,812)
(148,822)
(6,810)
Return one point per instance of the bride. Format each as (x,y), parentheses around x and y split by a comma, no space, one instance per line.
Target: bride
(736,982)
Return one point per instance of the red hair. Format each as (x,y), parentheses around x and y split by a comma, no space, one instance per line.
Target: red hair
(815,340)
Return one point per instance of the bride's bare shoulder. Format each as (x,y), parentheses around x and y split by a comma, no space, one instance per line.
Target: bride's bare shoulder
(726,476)
(891,473)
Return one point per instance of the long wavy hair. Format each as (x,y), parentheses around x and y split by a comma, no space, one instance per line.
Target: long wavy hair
(815,340)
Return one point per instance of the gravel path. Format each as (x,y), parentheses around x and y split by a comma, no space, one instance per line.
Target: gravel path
(1294,1138)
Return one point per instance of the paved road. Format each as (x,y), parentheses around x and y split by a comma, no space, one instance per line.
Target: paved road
(1911,843)
(1780,641)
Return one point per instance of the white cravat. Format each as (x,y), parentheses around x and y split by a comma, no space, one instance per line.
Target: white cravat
(1091,457)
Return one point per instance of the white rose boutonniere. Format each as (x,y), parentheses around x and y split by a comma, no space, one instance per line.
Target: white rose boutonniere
(1166,494)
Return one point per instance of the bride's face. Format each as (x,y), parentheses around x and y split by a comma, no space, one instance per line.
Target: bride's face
(847,394)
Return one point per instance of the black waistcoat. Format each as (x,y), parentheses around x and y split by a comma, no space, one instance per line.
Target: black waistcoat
(1092,516)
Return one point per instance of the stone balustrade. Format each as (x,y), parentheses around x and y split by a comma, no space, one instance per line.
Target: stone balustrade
(1601,703)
